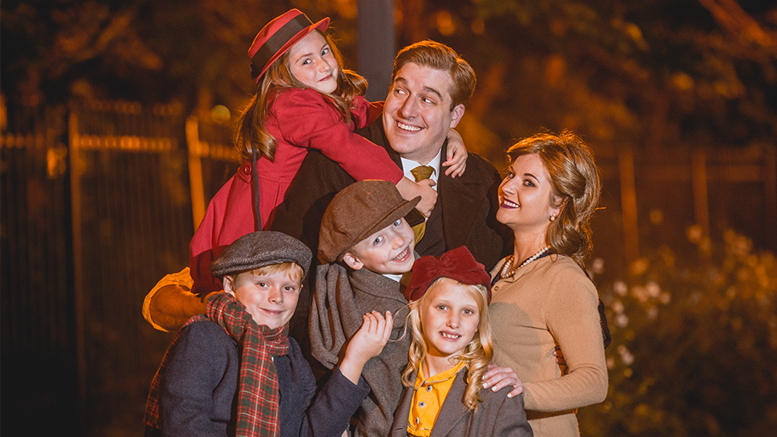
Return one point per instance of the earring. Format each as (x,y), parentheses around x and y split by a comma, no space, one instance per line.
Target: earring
(553,217)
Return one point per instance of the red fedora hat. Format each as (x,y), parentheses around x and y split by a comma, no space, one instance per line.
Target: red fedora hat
(277,37)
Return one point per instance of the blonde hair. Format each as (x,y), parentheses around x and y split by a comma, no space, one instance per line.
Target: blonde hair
(477,354)
(575,186)
(251,127)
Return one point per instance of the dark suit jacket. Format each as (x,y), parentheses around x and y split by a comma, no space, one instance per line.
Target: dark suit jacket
(468,205)
(497,415)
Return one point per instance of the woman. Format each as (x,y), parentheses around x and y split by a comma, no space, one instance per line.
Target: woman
(542,297)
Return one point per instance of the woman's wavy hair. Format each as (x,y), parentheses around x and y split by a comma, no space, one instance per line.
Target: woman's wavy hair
(251,128)
(575,188)
(477,354)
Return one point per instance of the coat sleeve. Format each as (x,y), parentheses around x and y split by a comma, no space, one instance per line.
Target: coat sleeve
(331,410)
(199,362)
(305,119)
(571,314)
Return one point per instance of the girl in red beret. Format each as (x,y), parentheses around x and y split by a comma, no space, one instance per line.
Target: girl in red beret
(450,351)
(304,99)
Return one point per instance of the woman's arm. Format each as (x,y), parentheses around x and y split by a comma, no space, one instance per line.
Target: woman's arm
(572,317)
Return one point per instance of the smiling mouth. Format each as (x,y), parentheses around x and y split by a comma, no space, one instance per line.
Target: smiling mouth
(508,204)
(403,256)
(406,127)
(329,76)
(450,336)
(272,312)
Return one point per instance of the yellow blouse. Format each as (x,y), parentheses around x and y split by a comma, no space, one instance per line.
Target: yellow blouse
(428,397)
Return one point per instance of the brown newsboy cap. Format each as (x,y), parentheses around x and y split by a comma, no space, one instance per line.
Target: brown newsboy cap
(259,249)
(356,212)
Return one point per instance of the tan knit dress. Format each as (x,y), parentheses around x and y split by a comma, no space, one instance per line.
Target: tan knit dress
(550,302)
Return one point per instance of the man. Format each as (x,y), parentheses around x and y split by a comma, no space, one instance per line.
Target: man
(430,86)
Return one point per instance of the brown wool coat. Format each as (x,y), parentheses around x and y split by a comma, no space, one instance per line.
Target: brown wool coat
(342,296)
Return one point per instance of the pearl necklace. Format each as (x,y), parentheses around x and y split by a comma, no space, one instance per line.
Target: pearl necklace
(504,274)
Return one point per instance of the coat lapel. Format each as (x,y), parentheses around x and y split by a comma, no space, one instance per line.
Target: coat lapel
(460,203)
(453,409)
(399,428)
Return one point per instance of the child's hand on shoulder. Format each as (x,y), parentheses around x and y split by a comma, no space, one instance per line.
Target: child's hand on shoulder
(456,159)
(368,342)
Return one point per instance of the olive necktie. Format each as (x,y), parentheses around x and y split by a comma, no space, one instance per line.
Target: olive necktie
(420,173)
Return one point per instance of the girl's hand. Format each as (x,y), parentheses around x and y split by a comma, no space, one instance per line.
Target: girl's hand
(410,190)
(499,377)
(561,361)
(368,342)
(456,155)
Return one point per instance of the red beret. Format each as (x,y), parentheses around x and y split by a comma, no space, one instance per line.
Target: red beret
(457,264)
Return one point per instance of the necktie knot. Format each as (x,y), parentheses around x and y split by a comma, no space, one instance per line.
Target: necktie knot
(422,172)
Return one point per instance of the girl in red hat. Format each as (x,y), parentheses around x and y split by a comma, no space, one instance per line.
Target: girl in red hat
(303,99)
(450,351)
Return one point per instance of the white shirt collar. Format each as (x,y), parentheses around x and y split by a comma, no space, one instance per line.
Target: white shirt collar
(408,165)
(393,277)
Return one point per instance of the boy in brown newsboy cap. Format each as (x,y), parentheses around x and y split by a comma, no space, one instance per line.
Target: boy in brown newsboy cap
(365,246)
(234,371)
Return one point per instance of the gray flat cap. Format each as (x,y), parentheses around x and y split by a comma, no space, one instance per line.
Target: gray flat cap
(259,249)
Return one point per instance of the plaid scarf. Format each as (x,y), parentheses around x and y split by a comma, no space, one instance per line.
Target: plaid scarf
(257,404)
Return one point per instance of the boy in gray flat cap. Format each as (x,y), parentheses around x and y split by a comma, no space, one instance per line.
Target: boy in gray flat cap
(234,370)
(365,246)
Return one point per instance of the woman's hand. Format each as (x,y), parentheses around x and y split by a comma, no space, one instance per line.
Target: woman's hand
(500,377)
(368,342)
(456,159)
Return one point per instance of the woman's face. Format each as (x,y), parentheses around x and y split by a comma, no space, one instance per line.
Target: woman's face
(524,196)
(312,62)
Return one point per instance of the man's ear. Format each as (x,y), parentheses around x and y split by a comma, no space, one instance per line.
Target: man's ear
(352,262)
(456,115)
(229,284)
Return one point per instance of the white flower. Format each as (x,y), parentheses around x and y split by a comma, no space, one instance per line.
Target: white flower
(653,289)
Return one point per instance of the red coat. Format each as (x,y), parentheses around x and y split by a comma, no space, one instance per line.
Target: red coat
(298,119)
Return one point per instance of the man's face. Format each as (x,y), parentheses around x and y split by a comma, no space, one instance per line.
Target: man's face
(418,115)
